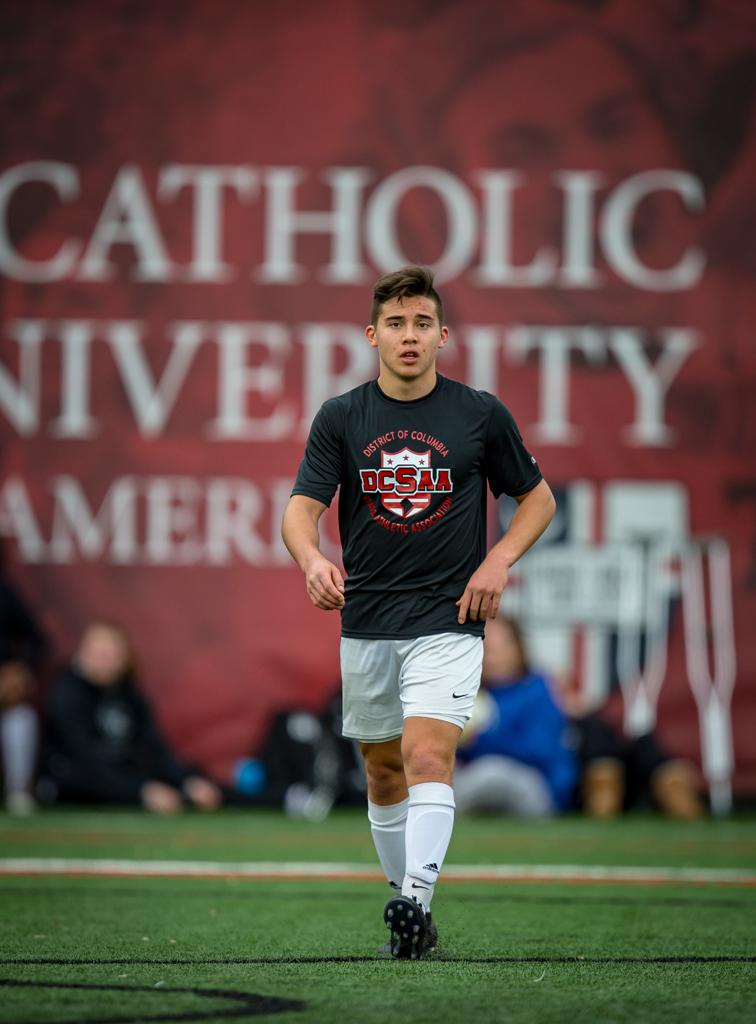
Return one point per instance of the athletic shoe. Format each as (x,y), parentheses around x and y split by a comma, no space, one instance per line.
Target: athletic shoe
(431,940)
(413,933)
(431,936)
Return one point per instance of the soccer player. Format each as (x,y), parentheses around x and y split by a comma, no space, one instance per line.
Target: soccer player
(412,453)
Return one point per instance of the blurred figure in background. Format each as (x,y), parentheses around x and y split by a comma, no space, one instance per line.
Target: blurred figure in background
(523,754)
(22,652)
(305,766)
(102,744)
(516,755)
(620,772)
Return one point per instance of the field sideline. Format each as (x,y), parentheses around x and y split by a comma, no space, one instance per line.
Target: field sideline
(123,917)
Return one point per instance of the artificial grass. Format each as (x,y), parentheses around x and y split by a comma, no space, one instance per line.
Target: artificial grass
(550,951)
(231,835)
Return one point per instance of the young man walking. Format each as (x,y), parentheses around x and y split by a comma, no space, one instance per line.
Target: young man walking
(412,453)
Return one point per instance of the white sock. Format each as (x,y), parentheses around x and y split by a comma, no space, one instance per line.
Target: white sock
(18,734)
(430,820)
(387,826)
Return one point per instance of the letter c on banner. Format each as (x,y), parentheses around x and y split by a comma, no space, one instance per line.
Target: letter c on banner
(64,179)
(616,230)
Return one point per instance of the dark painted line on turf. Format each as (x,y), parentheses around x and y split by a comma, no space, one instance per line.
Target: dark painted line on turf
(285,960)
(253,1005)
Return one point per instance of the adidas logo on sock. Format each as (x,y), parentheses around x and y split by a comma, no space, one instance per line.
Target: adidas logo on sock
(430,867)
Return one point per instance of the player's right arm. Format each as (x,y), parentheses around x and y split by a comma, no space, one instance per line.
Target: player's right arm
(325,584)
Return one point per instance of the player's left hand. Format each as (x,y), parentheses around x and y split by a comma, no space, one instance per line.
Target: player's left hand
(482,594)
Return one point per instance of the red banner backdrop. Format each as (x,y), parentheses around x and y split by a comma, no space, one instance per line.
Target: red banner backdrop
(195,199)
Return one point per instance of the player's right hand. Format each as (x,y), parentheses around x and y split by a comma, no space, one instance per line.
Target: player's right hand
(325,585)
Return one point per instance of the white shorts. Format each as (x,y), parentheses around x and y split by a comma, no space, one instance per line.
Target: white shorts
(386,681)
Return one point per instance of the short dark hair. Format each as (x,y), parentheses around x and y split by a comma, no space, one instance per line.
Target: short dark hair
(402,284)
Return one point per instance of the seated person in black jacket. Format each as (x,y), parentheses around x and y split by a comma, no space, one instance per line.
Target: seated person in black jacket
(102,744)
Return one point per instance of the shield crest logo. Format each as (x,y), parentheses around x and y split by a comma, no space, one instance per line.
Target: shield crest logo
(404,503)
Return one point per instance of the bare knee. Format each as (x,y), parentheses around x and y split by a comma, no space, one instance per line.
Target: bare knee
(384,783)
(427,760)
(384,769)
(428,749)
(428,763)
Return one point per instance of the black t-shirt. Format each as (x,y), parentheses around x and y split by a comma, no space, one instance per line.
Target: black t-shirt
(412,506)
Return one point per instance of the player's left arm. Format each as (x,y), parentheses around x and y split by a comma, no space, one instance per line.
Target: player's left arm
(482,595)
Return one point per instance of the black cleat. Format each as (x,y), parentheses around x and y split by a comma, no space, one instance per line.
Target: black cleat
(431,936)
(413,933)
(430,943)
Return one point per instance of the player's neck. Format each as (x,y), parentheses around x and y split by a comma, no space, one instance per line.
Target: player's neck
(407,390)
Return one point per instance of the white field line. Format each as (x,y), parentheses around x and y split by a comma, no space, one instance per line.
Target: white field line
(314,870)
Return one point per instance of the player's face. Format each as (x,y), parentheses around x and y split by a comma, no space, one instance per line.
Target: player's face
(408,335)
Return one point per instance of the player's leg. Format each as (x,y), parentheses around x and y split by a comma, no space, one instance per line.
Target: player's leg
(372,714)
(439,681)
(387,805)
(428,749)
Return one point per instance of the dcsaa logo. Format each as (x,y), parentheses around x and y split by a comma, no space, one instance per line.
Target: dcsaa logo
(406,482)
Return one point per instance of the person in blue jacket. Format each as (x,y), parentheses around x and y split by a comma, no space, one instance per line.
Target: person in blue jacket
(522,754)
(517,753)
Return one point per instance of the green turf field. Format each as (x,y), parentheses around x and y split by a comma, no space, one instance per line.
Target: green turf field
(144,948)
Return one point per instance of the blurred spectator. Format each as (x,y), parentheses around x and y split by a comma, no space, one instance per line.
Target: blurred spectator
(515,755)
(22,651)
(620,772)
(102,744)
(522,754)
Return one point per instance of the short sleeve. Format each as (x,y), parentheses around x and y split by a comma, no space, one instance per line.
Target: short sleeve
(509,466)
(320,470)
